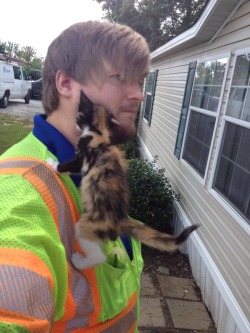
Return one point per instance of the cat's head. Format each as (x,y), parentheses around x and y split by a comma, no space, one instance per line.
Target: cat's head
(85,111)
(89,113)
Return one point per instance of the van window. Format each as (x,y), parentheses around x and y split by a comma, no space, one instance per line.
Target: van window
(17,73)
(25,77)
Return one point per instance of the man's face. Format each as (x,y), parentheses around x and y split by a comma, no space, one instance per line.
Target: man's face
(120,98)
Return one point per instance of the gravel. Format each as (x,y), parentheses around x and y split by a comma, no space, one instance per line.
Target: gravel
(19,108)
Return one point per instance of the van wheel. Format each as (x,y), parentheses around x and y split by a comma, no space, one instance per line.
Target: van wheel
(27,98)
(4,101)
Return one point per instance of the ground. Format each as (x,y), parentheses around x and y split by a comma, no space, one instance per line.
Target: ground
(177,264)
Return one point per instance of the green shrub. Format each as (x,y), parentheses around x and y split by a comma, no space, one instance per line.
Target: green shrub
(131,149)
(152,196)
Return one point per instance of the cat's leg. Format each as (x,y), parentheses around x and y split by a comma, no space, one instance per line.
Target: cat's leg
(76,165)
(92,250)
(73,166)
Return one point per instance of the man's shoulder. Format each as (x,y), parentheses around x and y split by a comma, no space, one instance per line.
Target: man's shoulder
(30,146)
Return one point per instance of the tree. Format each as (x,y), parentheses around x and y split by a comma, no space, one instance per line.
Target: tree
(2,48)
(35,69)
(10,48)
(157,20)
(26,55)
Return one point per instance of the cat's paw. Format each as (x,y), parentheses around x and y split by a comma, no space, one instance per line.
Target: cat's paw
(52,163)
(78,260)
(81,262)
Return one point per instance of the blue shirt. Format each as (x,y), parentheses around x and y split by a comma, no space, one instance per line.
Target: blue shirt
(59,146)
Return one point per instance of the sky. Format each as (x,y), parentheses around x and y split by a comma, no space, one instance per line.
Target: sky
(37,23)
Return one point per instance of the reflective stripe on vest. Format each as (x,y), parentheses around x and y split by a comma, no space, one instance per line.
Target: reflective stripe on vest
(82,295)
(13,300)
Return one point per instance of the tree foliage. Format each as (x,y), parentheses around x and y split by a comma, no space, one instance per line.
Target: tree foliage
(157,20)
(27,56)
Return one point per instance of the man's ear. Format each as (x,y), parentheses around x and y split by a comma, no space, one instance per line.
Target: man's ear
(63,84)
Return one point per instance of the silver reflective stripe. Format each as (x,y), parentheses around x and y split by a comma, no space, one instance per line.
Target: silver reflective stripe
(16,164)
(80,288)
(83,300)
(124,324)
(24,291)
(79,284)
(66,228)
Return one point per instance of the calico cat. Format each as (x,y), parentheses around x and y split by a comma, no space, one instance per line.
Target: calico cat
(105,190)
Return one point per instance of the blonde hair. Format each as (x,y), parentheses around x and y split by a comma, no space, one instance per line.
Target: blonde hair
(81,50)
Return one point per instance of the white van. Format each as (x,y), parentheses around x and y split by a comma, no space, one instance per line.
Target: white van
(14,83)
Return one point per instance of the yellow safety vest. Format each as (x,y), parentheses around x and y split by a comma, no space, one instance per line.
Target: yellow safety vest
(100,299)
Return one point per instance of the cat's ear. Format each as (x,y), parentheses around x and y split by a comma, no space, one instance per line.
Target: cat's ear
(114,121)
(111,121)
(85,105)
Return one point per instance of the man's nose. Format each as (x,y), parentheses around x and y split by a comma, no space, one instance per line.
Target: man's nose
(135,92)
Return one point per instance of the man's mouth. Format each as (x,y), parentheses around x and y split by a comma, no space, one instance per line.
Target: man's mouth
(132,111)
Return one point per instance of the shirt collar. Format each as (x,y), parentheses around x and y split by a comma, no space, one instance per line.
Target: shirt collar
(56,143)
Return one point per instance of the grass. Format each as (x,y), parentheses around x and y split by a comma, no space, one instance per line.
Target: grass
(12,130)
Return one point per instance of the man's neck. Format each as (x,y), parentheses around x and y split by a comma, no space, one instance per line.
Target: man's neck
(64,123)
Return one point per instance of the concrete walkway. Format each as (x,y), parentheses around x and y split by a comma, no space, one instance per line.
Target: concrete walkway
(170,305)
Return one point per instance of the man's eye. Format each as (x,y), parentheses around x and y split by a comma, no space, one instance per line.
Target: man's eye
(117,78)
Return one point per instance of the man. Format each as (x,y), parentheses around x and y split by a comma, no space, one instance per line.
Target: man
(41,291)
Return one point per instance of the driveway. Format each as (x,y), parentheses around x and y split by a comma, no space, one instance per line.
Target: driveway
(19,108)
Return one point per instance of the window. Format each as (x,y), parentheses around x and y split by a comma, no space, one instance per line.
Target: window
(17,73)
(198,140)
(203,109)
(25,77)
(232,176)
(149,96)
(239,99)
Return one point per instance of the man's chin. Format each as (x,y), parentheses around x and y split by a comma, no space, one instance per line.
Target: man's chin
(120,134)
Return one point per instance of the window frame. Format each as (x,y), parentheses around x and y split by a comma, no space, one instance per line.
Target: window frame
(216,115)
(149,95)
(225,203)
(24,74)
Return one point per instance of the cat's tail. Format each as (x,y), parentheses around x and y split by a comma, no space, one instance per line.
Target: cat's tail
(154,238)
